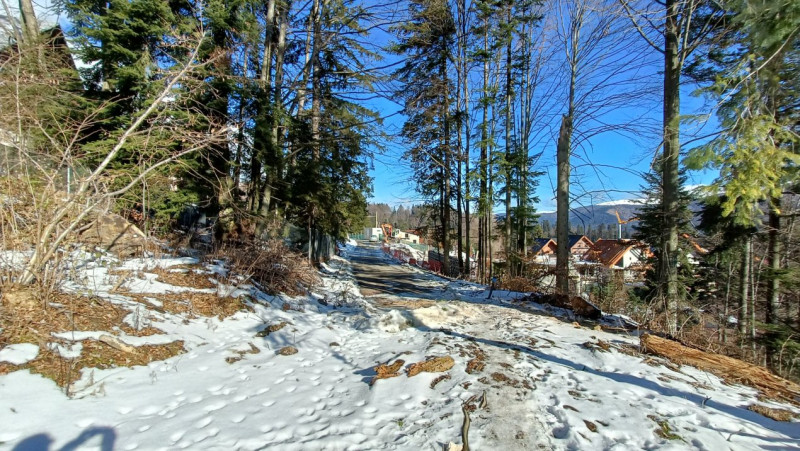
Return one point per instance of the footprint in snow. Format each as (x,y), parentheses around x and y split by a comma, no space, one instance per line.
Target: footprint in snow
(144,428)
(84,423)
(124,410)
(269,403)
(279,380)
(215,406)
(262,390)
(176,436)
(238,419)
(202,423)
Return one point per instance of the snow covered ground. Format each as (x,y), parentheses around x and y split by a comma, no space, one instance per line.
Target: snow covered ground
(548,382)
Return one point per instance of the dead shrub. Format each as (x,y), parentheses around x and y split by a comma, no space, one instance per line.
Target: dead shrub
(272,265)
(518,284)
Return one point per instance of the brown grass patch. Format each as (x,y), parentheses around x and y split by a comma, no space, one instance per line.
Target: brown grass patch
(387,371)
(192,303)
(441,378)
(478,361)
(183,278)
(22,323)
(65,312)
(240,354)
(773,414)
(434,365)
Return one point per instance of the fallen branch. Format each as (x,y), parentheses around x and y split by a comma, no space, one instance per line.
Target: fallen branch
(116,343)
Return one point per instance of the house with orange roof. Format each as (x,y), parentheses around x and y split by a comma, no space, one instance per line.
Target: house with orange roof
(620,254)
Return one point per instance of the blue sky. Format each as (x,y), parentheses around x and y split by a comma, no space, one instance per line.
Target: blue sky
(393,183)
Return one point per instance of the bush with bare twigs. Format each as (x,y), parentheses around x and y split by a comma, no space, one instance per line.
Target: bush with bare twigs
(271,265)
(56,175)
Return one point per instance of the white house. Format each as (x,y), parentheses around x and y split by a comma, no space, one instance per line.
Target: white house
(407,236)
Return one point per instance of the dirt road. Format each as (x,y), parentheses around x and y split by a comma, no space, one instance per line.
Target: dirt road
(378,274)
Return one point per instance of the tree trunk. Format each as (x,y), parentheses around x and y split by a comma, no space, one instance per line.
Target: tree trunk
(668,258)
(510,263)
(459,168)
(266,59)
(316,80)
(447,168)
(744,288)
(29,22)
(463,48)
(774,259)
(484,204)
(562,206)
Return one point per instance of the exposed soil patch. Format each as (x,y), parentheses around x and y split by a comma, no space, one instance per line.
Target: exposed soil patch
(405,303)
(240,354)
(271,329)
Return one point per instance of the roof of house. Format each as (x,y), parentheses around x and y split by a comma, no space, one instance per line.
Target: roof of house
(540,243)
(573,240)
(610,252)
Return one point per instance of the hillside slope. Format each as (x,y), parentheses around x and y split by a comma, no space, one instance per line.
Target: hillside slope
(548,382)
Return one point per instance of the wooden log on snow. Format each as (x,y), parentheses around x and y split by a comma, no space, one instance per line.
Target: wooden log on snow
(730,369)
(116,343)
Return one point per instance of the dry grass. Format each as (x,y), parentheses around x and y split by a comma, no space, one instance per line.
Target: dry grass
(272,265)
(518,284)
(193,304)
(433,365)
(27,323)
(184,277)
(773,414)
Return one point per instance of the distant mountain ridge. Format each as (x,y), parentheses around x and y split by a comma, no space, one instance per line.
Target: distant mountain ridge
(598,214)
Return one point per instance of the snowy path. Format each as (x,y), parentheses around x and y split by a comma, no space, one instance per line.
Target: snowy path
(545,389)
